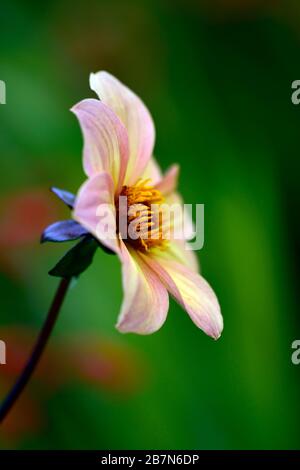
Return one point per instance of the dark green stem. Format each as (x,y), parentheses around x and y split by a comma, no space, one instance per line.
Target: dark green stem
(37,351)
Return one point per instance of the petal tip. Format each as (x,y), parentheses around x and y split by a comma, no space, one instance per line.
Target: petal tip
(217,336)
(217,330)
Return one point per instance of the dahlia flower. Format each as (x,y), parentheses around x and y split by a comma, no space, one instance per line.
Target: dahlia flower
(118,160)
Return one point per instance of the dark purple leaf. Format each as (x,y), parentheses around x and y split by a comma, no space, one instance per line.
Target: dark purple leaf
(65,196)
(63,231)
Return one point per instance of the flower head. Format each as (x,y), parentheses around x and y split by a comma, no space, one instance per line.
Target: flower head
(124,203)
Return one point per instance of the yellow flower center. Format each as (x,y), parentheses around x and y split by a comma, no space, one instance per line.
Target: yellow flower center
(143,218)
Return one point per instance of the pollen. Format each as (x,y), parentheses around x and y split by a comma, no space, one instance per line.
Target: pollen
(141,215)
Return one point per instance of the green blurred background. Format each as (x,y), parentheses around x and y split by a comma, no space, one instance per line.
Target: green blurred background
(217,77)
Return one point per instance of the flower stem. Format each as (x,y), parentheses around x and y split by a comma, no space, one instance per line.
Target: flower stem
(37,351)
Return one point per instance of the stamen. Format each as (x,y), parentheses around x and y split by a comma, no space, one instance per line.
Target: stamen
(146,222)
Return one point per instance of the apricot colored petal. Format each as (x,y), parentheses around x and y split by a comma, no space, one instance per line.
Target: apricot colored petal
(146,300)
(95,210)
(168,183)
(105,140)
(191,291)
(135,117)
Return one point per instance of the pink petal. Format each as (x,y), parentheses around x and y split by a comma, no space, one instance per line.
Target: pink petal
(191,291)
(94,209)
(152,172)
(168,183)
(105,140)
(135,117)
(182,224)
(146,300)
(178,251)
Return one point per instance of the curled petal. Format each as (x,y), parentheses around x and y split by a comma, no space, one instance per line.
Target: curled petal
(135,117)
(168,183)
(105,140)
(152,172)
(191,291)
(146,300)
(95,210)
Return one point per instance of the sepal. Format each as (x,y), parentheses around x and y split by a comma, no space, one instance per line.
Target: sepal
(63,231)
(65,196)
(77,259)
